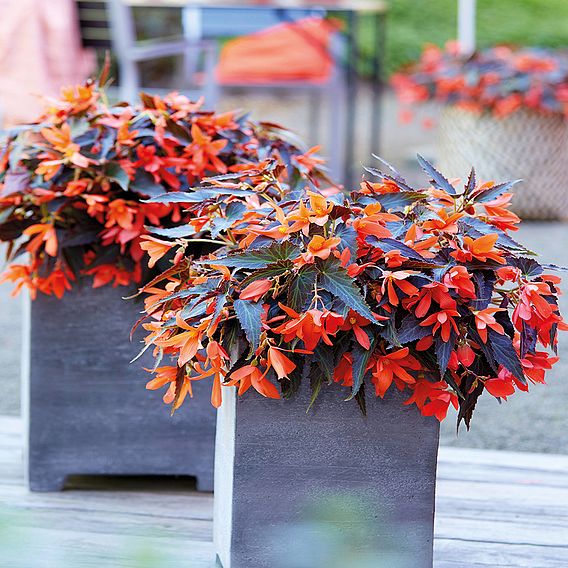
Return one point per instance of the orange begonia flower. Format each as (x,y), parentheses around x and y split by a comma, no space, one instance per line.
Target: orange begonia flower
(484,319)
(44,233)
(255,290)
(319,247)
(248,376)
(482,249)
(155,248)
(442,321)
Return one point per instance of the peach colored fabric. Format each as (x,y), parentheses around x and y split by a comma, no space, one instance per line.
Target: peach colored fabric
(40,51)
(297,51)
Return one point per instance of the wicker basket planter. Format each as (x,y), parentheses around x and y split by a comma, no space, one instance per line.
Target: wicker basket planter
(527,145)
(89,412)
(273,458)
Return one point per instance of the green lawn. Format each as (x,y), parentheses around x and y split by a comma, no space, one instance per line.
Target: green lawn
(411,23)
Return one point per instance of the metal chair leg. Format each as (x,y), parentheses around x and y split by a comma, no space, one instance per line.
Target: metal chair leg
(129,80)
(337,130)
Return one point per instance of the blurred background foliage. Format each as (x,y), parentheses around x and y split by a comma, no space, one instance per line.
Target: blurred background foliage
(520,22)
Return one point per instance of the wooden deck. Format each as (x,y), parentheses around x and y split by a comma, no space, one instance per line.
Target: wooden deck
(494,509)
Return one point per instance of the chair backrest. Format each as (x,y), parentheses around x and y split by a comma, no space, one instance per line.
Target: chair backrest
(94,23)
(216,22)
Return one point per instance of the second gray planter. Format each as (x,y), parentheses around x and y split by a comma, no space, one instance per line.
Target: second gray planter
(89,412)
(274,462)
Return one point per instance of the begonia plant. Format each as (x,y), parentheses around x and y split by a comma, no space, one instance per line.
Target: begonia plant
(500,80)
(421,290)
(79,188)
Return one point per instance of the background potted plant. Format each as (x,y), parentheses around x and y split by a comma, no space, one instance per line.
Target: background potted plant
(365,318)
(75,207)
(504,110)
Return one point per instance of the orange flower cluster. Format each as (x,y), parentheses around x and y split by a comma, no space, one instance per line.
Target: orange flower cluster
(422,290)
(81,186)
(500,80)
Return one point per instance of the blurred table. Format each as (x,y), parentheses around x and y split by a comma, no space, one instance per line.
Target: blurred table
(351,11)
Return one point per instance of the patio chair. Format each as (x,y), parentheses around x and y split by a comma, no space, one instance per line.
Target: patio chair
(214,23)
(110,24)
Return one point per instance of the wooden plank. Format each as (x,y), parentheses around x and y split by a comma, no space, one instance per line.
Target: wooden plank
(10,425)
(494,509)
(456,553)
(517,460)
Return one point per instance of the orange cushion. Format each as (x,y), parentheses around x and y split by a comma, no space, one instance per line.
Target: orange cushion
(297,51)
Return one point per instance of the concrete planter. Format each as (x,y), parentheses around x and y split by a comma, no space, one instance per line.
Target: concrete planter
(273,459)
(89,412)
(525,145)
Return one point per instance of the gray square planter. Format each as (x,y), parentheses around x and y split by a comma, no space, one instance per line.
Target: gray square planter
(89,412)
(273,460)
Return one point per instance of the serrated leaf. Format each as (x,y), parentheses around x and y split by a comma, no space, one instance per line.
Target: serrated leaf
(505,354)
(335,279)
(471,183)
(144,183)
(398,201)
(249,314)
(493,192)
(475,228)
(260,258)
(324,356)
(528,266)
(234,212)
(411,330)
(114,172)
(529,336)
(271,271)
(348,236)
(301,288)
(173,232)
(443,352)
(179,131)
(361,358)
(467,404)
(484,284)
(197,196)
(387,245)
(438,180)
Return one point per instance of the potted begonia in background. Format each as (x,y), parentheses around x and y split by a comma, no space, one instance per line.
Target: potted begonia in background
(504,110)
(74,191)
(365,318)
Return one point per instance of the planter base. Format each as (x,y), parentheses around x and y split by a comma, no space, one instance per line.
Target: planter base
(275,463)
(89,413)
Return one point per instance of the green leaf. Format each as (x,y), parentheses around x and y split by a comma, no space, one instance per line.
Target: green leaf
(173,232)
(443,352)
(234,212)
(504,353)
(114,172)
(180,132)
(325,358)
(144,183)
(198,195)
(271,271)
(260,258)
(438,180)
(335,279)
(361,358)
(249,314)
(301,288)
(398,201)
(496,191)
